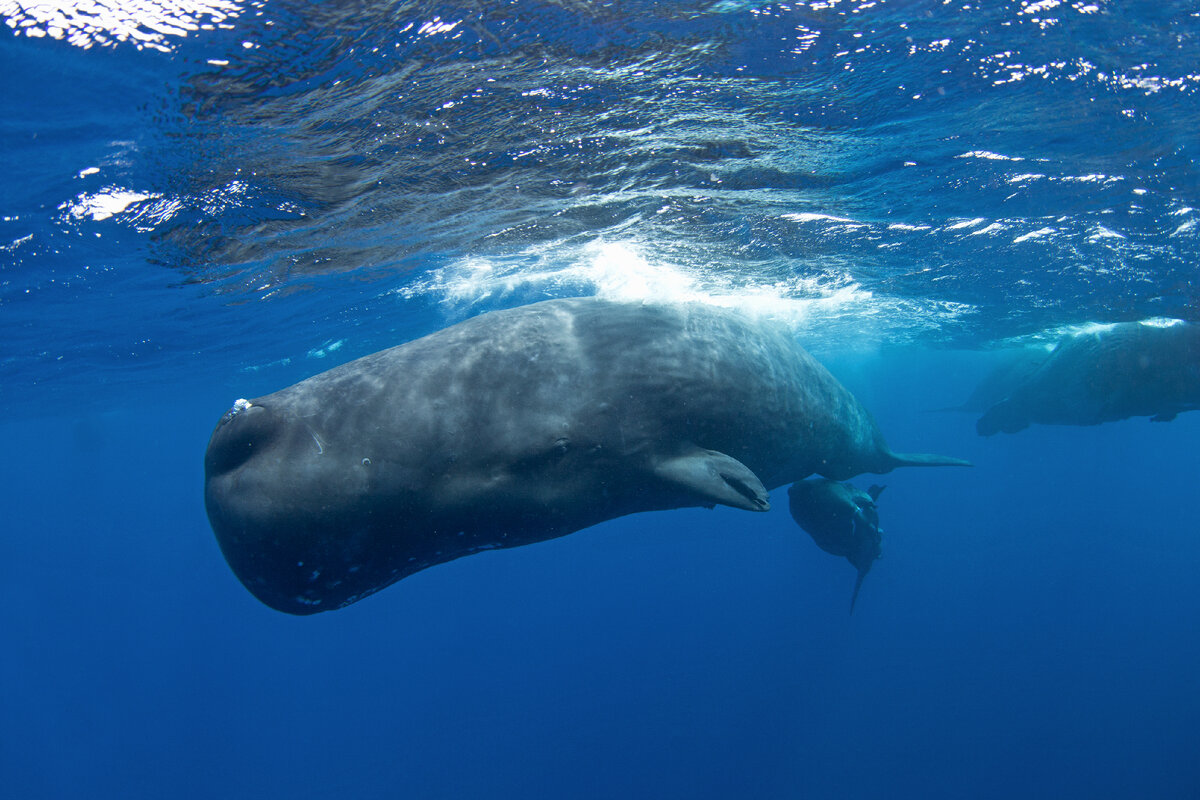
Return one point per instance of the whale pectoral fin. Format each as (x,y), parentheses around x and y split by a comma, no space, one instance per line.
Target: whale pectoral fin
(1165,416)
(716,477)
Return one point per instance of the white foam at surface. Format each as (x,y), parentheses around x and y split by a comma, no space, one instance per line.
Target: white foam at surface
(326,348)
(989,156)
(831,311)
(966,223)
(1095,328)
(102,205)
(810,216)
(1102,232)
(143,23)
(1038,234)
(993,228)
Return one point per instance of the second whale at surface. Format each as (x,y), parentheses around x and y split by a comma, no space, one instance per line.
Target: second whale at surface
(515,427)
(1131,369)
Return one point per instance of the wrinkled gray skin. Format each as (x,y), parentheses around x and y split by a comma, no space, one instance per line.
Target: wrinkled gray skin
(842,520)
(1130,370)
(514,427)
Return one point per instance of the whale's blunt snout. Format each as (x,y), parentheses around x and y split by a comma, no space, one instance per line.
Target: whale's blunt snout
(241,496)
(242,432)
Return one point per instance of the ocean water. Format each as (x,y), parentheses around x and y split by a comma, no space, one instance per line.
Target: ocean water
(207,200)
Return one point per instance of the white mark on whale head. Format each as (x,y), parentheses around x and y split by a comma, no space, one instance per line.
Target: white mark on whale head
(239,405)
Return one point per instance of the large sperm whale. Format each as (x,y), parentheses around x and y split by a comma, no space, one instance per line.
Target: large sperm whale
(515,427)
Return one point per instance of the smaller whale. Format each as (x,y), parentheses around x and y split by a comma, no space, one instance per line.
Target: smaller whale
(842,520)
(1131,369)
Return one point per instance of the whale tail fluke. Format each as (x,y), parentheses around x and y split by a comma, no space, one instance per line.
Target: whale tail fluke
(862,573)
(927,460)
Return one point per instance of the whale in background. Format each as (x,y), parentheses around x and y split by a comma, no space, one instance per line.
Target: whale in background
(1119,371)
(1011,369)
(842,519)
(518,426)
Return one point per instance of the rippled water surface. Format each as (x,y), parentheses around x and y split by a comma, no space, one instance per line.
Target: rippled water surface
(950,173)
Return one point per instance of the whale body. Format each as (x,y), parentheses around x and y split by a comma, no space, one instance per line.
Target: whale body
(842,519)
(515,427)
(1131,369)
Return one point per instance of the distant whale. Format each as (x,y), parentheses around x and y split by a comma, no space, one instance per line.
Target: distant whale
(842,520)
(1012,368)
(514,427)
(1126,370)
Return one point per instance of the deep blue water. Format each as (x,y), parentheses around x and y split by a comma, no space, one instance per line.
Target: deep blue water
(912,187)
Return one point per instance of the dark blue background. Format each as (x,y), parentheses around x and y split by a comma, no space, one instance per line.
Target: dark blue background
(1029,632)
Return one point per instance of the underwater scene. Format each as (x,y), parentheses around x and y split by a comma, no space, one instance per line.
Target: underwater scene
(578,399)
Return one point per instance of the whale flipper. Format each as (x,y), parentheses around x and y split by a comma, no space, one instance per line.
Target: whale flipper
(716,477)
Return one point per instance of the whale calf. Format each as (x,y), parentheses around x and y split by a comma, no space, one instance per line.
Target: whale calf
(842,519)
(1130,369)
(515,427)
